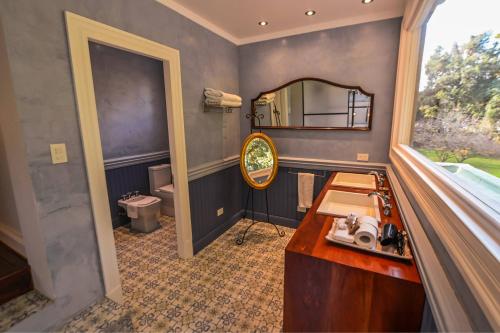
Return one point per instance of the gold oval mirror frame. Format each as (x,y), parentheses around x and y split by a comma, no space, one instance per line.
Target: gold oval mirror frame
(258,161)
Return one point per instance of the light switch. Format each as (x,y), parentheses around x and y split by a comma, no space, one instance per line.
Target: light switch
(58,153)
(363,157)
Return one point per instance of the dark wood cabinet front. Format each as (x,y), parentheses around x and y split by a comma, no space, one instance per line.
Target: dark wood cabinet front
(331,287)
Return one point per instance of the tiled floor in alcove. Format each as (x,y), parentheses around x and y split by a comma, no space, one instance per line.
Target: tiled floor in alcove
(18,309)
(225,287)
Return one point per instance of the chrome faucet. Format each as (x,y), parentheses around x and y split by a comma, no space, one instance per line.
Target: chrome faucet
(385,200)
(380,177)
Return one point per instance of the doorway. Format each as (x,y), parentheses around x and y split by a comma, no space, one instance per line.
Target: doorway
(81,31)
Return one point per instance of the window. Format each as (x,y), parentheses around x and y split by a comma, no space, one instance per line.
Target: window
(457,116)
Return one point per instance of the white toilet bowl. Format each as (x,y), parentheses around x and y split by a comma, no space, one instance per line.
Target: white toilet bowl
(166,193)
(160,185)
(144,218)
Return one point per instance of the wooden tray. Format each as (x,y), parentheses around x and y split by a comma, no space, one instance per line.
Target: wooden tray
(388,251)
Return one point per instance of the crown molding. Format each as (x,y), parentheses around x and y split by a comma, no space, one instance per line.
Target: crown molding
(175,6)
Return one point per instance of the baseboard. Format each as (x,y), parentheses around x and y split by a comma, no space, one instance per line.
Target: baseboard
(116,294)
(282,221)
(12,238)
(212,235)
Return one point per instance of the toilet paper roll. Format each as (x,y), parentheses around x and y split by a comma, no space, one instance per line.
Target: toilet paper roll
(368,219)
(366,236)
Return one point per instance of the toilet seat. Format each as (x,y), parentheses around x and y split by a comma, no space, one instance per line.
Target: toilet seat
(167,188)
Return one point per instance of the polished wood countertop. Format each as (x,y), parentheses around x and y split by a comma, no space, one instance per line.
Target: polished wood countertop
(309,239)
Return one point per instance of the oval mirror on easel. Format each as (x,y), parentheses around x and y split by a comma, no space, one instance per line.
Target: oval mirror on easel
(259,161)
(259,167)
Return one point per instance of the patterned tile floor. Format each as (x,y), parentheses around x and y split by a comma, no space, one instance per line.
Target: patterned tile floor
(225,287)
(19,308)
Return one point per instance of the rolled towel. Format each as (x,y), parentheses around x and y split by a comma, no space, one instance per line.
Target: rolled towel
(220,95)
(267,98)
(230,104)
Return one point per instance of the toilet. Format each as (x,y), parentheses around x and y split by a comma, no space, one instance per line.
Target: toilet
(160,185)
(143,211)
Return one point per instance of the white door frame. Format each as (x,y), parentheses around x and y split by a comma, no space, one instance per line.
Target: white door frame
(80,31)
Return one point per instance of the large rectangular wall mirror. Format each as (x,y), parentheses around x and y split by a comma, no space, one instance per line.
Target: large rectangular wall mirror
(311,103)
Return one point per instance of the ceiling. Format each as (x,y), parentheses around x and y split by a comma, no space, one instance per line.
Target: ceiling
(236,20)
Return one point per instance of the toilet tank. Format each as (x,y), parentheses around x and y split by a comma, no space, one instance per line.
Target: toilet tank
(159,175)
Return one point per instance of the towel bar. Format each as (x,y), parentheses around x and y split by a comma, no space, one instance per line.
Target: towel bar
(315,175)
(227,109)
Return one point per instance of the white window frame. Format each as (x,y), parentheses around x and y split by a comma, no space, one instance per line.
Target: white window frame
(468,229)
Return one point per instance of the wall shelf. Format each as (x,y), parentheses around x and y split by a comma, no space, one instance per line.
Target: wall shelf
(218,108)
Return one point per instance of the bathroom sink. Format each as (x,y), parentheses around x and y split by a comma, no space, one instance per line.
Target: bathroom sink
(354,180)
(341,203)
(123,202)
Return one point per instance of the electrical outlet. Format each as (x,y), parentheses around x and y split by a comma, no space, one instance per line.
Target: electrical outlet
(220,211)
(58,153)
(363,157)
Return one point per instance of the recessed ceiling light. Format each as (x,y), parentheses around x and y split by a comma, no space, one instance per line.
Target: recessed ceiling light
(366,1)
(310,12)
(263,23)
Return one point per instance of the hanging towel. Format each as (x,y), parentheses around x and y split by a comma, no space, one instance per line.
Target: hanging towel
(230,104)
(132,211)
(305,190)
(219,95)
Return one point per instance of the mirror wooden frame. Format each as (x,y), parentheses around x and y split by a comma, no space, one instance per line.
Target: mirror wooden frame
(244,172)
(371,95)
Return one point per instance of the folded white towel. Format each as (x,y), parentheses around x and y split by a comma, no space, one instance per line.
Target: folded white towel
(220,95)
(343,235)
(305,190)
(231,104)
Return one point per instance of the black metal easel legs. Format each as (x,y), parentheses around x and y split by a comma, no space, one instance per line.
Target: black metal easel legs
(241,238)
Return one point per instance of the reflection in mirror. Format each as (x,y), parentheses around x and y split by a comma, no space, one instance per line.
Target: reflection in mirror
(314,103)
(258,160)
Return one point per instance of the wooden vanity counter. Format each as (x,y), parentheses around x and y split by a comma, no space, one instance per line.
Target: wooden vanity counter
(330,287)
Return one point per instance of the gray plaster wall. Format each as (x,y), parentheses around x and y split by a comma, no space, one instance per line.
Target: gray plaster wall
(36,45)
(130,97)
(364,54)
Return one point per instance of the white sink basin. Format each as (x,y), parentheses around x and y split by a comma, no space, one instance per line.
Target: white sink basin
(354,180)
(340,203)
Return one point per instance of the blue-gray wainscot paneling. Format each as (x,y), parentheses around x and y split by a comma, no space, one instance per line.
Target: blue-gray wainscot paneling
(283,197)
(206,195)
